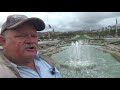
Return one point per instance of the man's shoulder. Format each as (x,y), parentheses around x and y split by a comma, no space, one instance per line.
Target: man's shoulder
(49,60)
(5,72)
(54,70)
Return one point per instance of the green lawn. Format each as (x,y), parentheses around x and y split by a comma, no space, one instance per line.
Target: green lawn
(84,36)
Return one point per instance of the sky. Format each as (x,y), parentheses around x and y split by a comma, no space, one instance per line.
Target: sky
(70,21)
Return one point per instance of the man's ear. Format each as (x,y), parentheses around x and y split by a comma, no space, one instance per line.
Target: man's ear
(2,40)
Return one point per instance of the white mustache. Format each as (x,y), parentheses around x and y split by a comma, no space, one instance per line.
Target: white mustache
(30,46)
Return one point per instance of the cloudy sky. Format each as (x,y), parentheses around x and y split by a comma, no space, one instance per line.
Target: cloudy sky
(71,21)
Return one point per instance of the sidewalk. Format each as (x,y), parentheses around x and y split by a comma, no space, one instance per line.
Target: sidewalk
(114,47)
(114,50)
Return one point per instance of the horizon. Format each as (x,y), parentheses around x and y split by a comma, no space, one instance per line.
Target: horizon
(70,21)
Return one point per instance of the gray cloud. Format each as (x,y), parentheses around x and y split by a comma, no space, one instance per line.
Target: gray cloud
(72,21)
(87,20)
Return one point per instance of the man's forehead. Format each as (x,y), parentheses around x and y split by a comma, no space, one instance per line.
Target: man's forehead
(26,31)
(23,31)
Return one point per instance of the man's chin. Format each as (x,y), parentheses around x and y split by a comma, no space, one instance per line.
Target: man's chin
(30,54)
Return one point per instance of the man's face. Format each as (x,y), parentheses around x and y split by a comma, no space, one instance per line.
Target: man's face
(21,43)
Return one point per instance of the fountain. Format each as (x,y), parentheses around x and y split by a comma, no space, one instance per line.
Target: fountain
(77,57)
(85,61)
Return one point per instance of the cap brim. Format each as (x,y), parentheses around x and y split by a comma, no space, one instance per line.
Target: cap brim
(37,23)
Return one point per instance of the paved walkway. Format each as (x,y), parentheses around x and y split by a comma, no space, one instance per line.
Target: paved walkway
(48,42)
(114,47)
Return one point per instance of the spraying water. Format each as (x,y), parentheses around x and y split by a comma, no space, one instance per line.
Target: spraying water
(85,61)
(77,56)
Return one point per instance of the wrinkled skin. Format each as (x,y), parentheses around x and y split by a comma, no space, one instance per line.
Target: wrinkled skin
(20,45)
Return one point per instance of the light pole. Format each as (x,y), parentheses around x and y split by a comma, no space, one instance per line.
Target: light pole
(48,28)
(109,28)
(116,29)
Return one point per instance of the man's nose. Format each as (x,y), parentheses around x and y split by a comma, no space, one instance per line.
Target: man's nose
(30,39)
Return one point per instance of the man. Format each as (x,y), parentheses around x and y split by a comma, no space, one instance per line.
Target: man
(19,56)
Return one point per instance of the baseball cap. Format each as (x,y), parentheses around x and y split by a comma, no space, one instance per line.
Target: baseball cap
(15,20)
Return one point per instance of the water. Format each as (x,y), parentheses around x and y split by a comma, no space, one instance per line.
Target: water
(85,61)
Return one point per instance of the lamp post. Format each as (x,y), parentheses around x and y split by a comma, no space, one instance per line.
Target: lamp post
(110,28)
(116,29)
(48,27)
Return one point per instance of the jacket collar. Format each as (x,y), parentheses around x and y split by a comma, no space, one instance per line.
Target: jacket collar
(9,64)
